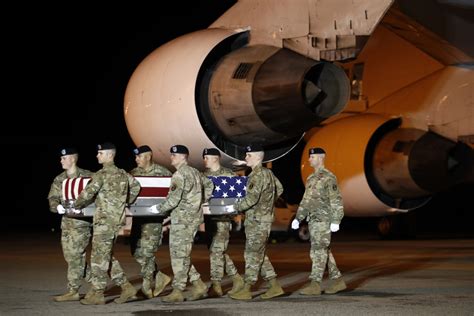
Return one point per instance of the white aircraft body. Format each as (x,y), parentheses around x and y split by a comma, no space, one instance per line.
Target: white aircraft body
(389,99)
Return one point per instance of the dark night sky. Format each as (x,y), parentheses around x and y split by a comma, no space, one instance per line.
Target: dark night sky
(65,70)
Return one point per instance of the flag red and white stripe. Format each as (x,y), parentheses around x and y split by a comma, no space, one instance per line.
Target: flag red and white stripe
(73,186)
(150,187)
(154,186)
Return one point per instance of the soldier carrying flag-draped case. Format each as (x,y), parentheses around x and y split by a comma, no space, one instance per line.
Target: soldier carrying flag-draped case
(154,190)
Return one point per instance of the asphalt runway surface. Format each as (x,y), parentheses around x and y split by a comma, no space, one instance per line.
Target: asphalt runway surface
(396,277)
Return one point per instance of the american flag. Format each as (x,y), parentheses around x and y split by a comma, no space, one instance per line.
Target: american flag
(150,187)
(71,187)
(228,187)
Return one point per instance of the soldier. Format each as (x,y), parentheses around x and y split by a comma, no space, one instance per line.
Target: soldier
(219,259)
(147,232)
(184,201)
(75,232)
(111,188)
(263,189)
(322,207)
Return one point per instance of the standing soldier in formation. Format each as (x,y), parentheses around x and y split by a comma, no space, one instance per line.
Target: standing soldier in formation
(111,188)
(322,207)
(219,259)
(184,201)
(147,232)
(263,189)
(75,232)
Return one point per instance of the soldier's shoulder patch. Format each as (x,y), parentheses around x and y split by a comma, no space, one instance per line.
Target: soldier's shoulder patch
(173,187)
(334,187)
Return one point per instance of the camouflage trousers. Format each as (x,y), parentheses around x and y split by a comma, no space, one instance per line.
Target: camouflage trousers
(75,237)
(181,244)
(320,252)
(146,246)
(102,259)
(256,261)
(219,260)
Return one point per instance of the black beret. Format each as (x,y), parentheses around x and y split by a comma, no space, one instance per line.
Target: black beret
(316,150)
(105,146)
(179,149)
(253,148)
(142,149)
(211,152)
(68,151)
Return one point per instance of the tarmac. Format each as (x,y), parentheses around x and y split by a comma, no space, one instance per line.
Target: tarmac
(384,277)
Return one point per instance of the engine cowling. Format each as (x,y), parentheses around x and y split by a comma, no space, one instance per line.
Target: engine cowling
(357,155)
(383,167)
(209,89)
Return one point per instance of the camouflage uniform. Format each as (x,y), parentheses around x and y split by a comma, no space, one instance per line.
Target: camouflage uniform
(263,188)
(75,233)
(184,201)
(219,259)
(112,188)
(321,205)
(147,232)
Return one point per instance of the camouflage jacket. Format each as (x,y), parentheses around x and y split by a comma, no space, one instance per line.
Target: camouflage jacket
(185,196)
(111,188)
(322,201)
(154,170)
(222,171)
(263,189)
(55,196)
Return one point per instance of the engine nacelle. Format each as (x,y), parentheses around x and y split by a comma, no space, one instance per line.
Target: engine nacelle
(209,89)
(349,144)
(383,168)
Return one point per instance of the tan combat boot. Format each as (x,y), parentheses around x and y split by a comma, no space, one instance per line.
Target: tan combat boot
(216,286)
(72,295)
(336,286)
(128,293)
(314,288)
(243,294)
(161,281)
(198,291)
(274,290)
(175,296)
(89,293)
(94,297)
(238,284)
(146,288)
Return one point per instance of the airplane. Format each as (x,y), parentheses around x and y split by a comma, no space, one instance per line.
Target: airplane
(380,85)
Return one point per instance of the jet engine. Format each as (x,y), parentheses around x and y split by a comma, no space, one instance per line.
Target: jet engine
(211,89)
(383,168)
